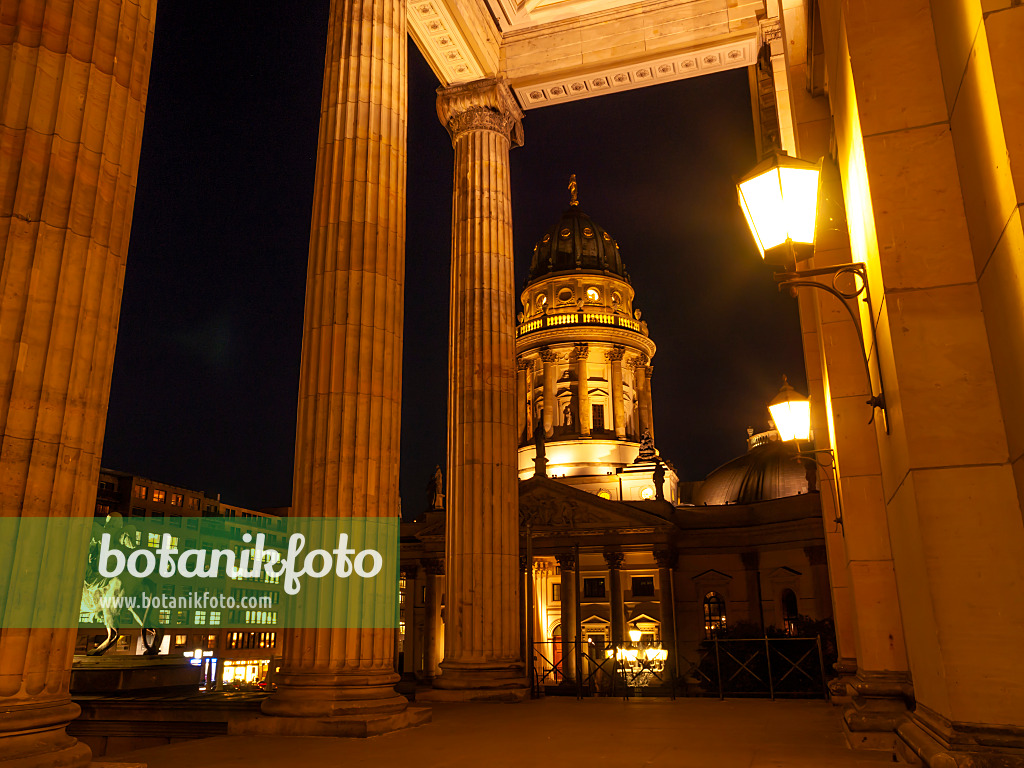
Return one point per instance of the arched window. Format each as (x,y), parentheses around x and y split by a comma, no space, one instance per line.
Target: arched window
(714,614)
(790,613)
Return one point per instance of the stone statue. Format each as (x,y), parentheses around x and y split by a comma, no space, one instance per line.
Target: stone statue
(101,593)
(540,460)
(435,489)
(647,452)
(659,481)
(567,416)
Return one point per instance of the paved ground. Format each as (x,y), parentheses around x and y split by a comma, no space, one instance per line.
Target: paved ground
(687,733)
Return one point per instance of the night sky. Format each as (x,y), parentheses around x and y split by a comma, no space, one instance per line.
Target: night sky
(206,372)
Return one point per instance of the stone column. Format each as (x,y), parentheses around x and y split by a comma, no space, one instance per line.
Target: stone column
(580,353)
(409,616)
(567,564)
(76,77)
(647,402)
(614,356)
(816,556)
(523,416)
(482,655)
(434,569)
(752,580)
(548,357)
(614,561)
(666,560)
(639,366)
(350,376)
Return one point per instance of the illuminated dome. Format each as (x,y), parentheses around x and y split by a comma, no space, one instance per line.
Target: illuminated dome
(576,243)
(769,471)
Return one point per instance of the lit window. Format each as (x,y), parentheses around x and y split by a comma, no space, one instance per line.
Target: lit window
(180,640)
(714,614)
(790,613)
(200,618)
(193,502)
(211,642)
(647,493)
(593,294)
(556,593)
(159,495)
(141,491)
(177,499)
(154,540)
(604,493)
(597,409)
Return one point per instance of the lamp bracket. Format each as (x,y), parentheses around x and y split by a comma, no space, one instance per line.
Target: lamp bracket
(793,279)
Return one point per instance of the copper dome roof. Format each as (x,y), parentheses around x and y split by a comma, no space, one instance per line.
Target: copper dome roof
(576,243)
(769,471)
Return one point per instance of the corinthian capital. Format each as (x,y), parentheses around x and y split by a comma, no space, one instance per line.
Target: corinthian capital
(486,105)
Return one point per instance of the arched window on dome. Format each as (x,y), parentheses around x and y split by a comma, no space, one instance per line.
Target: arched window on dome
(714,614)
(790,612)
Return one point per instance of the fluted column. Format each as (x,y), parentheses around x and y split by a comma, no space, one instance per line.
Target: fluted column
(639,365)
(350,379)
(74,96)
(434,569)
(666,560)
(548,358)
(614,356)
(482,655)
(614,561)
(567,566)
(647,404)
(580,353)
(522,411)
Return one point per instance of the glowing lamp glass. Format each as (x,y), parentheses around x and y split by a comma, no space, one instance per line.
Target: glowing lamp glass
(791,413)
(635,635)
(779,199)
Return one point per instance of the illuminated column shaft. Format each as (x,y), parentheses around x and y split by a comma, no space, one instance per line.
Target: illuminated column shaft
(614,561)
(647,401)
(567,564)
(523,417)
(528,407)
(583,387)
(76,78)
(550,406)
(482,648)
(666,564)
(350,379)
(640,385)
(432,626)
(618,410)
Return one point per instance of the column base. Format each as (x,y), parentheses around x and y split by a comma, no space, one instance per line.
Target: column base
(348,726)
(324,695)
(838,688)
(479,682)
(929,739)
(33,736)
(879,705)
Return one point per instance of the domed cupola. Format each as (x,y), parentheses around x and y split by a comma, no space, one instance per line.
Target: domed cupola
(576,244)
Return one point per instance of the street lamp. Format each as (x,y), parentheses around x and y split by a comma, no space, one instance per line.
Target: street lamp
(791,413)
(779,198)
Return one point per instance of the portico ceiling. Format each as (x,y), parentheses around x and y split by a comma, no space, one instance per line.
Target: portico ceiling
(553,51)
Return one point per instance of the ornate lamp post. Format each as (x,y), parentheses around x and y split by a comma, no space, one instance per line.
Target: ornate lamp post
(791,413)
(779,199)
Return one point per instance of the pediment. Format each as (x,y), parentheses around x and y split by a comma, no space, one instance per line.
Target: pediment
(545,503)
(712,576)
(783,572)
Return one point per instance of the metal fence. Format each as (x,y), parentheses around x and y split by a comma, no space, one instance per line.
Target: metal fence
(770,666)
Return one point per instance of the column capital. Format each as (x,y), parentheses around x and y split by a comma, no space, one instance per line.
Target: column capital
(434,566)
(566,562)
(580,351)
(615,353)
(410,571)
(548,355)
(483,105)
(522,364)
(666,558)
(614,559)
(639,361)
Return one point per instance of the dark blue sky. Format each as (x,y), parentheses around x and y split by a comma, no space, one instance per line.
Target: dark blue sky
(206,371)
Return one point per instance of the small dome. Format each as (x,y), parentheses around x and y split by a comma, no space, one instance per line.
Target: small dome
(576,243)
(769,471)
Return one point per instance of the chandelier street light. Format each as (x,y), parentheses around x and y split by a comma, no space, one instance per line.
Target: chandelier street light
(791,413)
(779,199)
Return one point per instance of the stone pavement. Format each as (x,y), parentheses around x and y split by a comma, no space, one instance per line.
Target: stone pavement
(687,733)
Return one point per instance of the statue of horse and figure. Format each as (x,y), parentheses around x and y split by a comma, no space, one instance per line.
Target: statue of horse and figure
(103,595)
